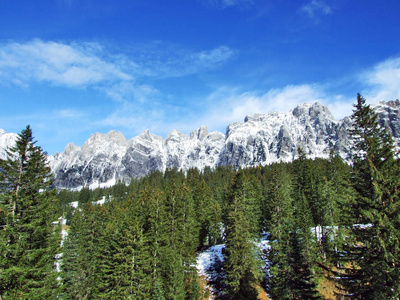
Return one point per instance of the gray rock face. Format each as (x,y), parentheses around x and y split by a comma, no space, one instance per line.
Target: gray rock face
(262,139)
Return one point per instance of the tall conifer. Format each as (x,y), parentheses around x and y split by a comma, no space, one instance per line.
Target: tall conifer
(28,239)
(241,264)
(373,246)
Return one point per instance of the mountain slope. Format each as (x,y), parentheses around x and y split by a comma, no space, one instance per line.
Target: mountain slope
(262,139)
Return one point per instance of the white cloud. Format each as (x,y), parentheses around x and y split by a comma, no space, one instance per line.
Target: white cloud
(137,105)
(316,7)
(88,64)
(56,63)
(228,105)
(171,62)
(68,114)
(232,106)
(383,81)
(129,91)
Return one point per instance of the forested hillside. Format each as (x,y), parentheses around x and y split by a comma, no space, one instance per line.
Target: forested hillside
(325,220)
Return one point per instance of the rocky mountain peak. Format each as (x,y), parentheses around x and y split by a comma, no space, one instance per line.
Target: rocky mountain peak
(200,133)
(6,140)
(313,111)
(261,139)
(71,147)
(175,136)
(146,135)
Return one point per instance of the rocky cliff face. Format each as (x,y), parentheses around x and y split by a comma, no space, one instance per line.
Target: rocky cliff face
(262,139)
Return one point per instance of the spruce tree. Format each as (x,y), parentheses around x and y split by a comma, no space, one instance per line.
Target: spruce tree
(241,262)
(280,226)
(303,245)
(29,240)
(82,258)
(373,244)
(179,251)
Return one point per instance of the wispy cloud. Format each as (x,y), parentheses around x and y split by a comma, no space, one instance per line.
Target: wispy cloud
(172,62)
(69,65)
(226,105)
(315,8)
(67,114)
(231,105)
(123,78)
(89,64)
(140,105)
(383,81)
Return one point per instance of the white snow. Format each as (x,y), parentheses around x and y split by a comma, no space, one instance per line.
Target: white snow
(206,259)
(260,140)
(74,204)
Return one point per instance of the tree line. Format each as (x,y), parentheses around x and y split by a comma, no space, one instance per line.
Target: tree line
(322,217)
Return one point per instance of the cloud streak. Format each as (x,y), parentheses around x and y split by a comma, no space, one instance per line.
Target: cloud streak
(90,65)
(58,64)
(316,8)
(383,81)
(172,62)
(139,104)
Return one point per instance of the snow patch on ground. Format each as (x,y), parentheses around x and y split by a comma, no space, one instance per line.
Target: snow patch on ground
(207,259)
(210,262)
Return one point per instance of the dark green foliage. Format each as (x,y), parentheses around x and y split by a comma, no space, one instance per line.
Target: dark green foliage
(144,245)
(207,210)
(302,279)
(29,240)
(153,227)
(194,289)
(241,264)
(280,226)
(150,230)
(289,222)
(372,250)
(84,196)
(82,262)
(158,293)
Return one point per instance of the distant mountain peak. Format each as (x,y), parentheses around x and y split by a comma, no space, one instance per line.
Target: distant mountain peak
(260,140)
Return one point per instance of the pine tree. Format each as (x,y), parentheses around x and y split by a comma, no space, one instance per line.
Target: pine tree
(150,212)
(280,226)
(208,213)
(373,244)
(303,247)
(84,196)
(241,263)
(302,279)
(81,266)
(122,269)
(29,240)
(179,251)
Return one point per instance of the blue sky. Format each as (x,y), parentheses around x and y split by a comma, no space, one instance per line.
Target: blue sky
(70,68)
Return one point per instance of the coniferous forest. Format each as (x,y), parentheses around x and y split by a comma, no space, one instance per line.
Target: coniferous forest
(328,224)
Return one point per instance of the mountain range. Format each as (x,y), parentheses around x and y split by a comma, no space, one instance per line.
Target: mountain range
(261,139)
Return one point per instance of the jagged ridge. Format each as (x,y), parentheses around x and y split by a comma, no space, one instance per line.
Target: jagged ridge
(262,139)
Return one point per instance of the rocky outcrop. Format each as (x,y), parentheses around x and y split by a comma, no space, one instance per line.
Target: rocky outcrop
(261,139)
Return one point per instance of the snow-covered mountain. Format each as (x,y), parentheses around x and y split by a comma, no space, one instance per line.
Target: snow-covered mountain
(6,140)
(262,139)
